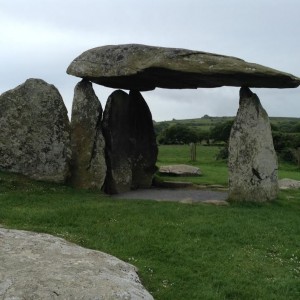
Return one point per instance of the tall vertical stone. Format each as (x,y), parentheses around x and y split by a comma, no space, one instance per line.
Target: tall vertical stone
(88,167)
(252,159)
(131,149)
(35,132)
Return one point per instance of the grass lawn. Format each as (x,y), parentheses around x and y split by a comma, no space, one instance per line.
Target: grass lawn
(214,171)
(183,251)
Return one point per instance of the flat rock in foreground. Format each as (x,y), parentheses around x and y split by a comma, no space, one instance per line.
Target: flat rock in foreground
(41,266)
(141,67)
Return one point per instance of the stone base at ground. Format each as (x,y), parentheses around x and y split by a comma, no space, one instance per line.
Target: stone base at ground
(41,266)
(252,160)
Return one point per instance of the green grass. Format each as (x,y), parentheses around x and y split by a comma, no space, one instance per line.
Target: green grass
(214,171)
(242,251)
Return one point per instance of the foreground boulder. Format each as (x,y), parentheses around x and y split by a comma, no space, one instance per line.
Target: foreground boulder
(141,67)
(252,159)
(88,168)
(35,132)
(131,149)
(41,266)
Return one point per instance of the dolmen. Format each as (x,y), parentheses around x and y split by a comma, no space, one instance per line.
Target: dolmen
(114,149)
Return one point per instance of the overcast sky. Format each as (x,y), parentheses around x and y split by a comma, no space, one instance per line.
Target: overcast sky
(39,39)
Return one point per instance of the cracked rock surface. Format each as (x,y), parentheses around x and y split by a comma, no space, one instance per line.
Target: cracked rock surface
(41,266)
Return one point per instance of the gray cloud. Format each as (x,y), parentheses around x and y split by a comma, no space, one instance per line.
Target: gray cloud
(40,38)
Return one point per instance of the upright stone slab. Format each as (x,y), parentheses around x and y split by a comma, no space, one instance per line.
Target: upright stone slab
(35,132)
(88,167)
(252,159)
(131,149)
(144,142)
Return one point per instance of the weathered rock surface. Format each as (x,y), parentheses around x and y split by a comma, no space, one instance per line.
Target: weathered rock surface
(180,170)
(252,159)
(88,167)
(131,149)
(41,266)
(35,132)
(141,67)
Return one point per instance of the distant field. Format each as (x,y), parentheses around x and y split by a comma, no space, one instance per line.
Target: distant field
(206,122)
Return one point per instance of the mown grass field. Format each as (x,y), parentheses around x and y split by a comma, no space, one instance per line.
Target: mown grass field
(183,251)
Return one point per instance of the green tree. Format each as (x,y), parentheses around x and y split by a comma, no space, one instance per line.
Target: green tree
(178,134)
(221,131)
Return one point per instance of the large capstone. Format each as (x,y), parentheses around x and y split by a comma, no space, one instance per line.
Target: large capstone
(35,132)
(131,149)
(252,159)
(88,167)
(141,67)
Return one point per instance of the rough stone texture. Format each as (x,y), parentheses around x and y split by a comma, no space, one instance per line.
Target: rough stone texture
(131,149)
(252,159)
(35,132)
(287,183)
(180,170)
(41,266)
(88,168)
(141,67)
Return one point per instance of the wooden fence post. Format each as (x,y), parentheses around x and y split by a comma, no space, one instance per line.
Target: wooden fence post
(193,151)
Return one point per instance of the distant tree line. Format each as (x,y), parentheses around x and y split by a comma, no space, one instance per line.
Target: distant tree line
(286,137)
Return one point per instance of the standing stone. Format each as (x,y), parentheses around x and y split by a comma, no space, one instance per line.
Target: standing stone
(252,159)
(131,149)
(144,142)
(35,132)
(87,141)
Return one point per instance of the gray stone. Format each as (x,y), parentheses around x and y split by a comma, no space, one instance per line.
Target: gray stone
(41,266)
(88,168)
(131,149)
(287,183)
(179,170)
(141,67)
(252,159)
(35,132)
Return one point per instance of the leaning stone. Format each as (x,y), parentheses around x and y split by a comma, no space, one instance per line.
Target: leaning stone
(252,159)
(131,149)
(41,266)
(88,168)
(35,132)
(180,170)
(141,67)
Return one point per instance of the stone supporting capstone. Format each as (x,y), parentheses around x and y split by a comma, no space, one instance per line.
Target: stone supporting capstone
(252,159)
(88,166)
(131,149)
